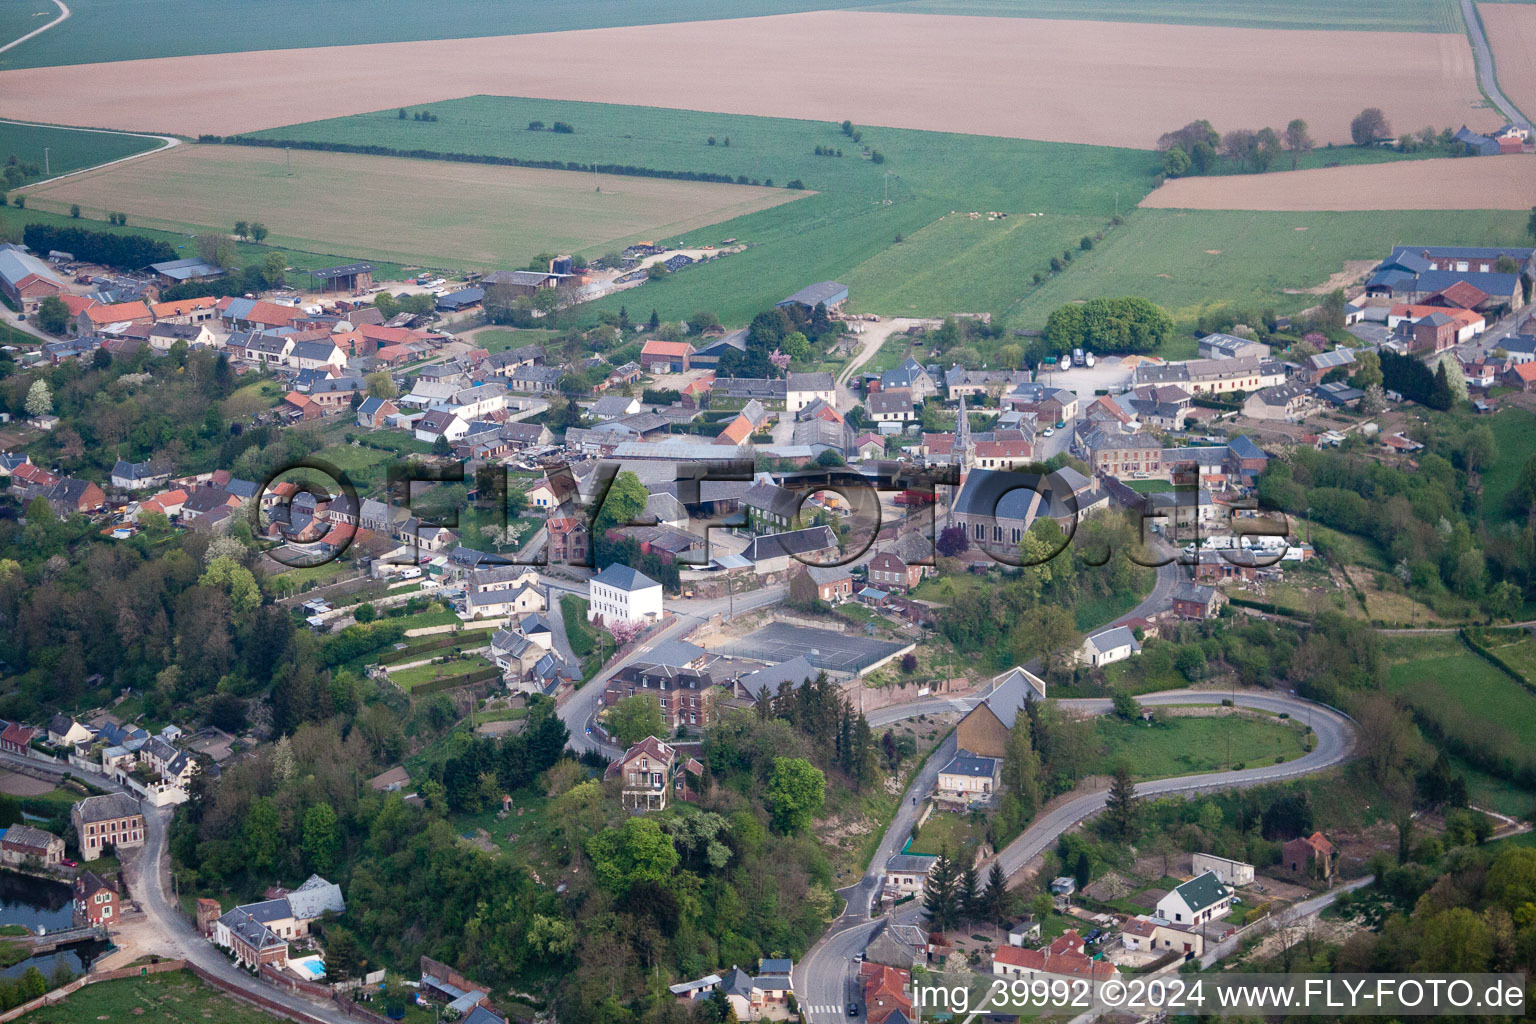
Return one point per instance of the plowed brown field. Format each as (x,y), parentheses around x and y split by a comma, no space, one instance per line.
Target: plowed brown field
(1468,183)
(1095,82)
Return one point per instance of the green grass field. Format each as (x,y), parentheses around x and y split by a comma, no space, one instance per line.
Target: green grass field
(410,678)
(68,149)
(1188,746)
(1368,15)
(18,17)
(422,212)
(1471,698)
(946,261)
(16,220)
(1187,260)
(110,30)
(1513,429)
(176,998)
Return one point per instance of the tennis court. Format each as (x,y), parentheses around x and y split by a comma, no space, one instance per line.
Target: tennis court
(836,652)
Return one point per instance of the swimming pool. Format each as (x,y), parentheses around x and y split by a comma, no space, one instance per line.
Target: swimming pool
(311,967)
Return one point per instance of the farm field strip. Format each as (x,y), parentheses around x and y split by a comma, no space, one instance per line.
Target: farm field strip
(68,149)
(1498,182)
(1472,699)
(1108,83)
(1190,260)
(397,209)
(1358,15)
(1511,30)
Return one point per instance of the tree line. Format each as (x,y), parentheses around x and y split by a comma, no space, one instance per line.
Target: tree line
(625,170)
(121,252)
(1109,326)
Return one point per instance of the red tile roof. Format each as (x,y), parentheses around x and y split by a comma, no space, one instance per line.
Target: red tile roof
(657,347)
(117,313)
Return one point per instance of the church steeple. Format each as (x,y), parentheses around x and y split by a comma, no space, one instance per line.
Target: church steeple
(962,434)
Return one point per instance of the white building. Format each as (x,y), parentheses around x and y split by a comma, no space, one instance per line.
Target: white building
(906,874)
(1109,646)
(801,389)
(622,594)
(1201,899)
(969,778)
(1231,872)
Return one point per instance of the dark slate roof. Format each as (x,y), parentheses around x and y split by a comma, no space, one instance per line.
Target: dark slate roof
(1202,891)
(795,542)
(623,577)
(967,763)
(821,291)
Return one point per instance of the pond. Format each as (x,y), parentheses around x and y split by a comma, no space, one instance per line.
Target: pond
(37,903)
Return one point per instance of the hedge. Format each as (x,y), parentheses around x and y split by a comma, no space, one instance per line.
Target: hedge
(481,158)
(434,643)
(451,682)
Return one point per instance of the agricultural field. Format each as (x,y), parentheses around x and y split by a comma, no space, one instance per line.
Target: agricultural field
(249,253)
(69,149)
(175,997)
(1192,260)
(401,210)
(1506,182)
(845,231)
(1359,15)
(114,30)
(1188,746)
(1511,31)
(1099,82)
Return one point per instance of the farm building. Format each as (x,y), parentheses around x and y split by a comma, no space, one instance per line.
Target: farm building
(665,356)
(195,268)
(823,293)
(349,277)
(455,302)
(25,279)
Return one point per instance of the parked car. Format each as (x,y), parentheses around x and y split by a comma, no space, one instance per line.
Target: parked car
(853,1009)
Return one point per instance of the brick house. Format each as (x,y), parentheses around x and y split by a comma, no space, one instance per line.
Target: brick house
(1309,855)
(651,773)
(95,900)
(15,738)
(889,572)
(569,542)
(1192,601)
(833,583)
(1521,376)
(113,819)
(665,356)
(22,842)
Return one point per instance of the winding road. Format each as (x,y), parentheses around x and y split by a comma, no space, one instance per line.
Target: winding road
(825,979)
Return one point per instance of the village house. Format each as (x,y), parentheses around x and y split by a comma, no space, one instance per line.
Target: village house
(888,572)
(906,874)
(891,405)
(660,357)
(1109,646)
(96,902)
(1231,872)
(25,279)
(22,844)
(984,729)
(110,820)
(887,993)
(968,778)
(1065,957)
(652,773)
(1287,402)
(834,584)
(1312,856)
(621,594)
(1192,601)
(1200,900)
(1153,934)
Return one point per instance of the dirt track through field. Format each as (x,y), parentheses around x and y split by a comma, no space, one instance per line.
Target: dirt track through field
(1067,81)
(1466,183)
(1512,34)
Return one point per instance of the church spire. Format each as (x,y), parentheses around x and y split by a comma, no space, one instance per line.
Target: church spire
(962,433)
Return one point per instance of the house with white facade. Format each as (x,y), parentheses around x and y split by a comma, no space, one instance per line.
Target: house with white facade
(1201,899)
(622,594)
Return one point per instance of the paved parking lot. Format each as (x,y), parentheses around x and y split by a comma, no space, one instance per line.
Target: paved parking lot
(836,652)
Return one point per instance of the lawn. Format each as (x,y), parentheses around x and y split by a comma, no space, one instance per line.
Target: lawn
(847,231)
(1188,746)
(68,149)
(1517,649)
(1191,260)
(407,211)
(174,997)
(410,678)
(956,832)
(1364,15)
(502,339)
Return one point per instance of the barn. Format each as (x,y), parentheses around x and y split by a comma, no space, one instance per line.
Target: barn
(350,277)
